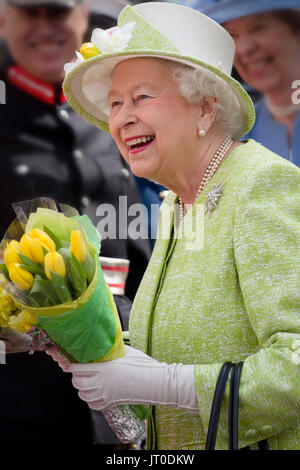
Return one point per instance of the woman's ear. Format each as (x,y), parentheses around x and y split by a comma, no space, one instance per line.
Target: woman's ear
(207,112)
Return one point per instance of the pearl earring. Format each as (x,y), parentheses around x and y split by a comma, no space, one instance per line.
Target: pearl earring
(201,132)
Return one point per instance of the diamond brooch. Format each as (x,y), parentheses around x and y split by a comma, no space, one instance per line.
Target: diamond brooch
(212,198)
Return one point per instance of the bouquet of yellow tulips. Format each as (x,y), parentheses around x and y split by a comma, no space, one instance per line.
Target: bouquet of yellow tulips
(53,282)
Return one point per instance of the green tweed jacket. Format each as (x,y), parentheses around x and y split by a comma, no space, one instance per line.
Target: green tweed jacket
(231,293)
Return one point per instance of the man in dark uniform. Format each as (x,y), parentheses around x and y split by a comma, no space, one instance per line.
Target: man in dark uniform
(46,149)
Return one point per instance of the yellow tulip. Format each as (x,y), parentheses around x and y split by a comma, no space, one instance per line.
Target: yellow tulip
(20,277)
(78,245)
(11,253)
(54,262)
(43,238)
(88,49)
(32,248)
(18,325)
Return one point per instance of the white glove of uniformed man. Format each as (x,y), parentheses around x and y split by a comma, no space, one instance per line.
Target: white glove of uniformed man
(133,379)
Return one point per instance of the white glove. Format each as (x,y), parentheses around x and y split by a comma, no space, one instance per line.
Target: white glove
(133,379)
(63,362)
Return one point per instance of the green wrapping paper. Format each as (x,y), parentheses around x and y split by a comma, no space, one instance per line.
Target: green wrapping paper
(90,332)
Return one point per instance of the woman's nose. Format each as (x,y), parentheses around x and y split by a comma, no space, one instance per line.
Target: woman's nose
(127,114)
(244,46)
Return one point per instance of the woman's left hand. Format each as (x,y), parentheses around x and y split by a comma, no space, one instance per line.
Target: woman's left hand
(133,379)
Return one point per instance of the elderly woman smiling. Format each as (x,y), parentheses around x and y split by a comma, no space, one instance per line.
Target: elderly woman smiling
(161,84)
(165,104)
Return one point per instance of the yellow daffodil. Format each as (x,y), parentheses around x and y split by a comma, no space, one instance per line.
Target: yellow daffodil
(22,322)
(54,262)
(4,319)
(88,49)
(11,253)
(78,245)
(43,238)
(7,305)
(32,248)
(20,277)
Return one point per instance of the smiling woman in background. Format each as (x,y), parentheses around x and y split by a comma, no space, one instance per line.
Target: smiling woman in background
(267,39)
(161,84)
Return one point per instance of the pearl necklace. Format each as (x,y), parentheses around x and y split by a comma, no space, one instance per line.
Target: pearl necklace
(210,170)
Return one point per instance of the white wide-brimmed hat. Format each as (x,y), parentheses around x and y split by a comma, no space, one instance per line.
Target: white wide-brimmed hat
(159,30)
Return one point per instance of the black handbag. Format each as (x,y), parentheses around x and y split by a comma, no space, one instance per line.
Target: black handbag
(235,370)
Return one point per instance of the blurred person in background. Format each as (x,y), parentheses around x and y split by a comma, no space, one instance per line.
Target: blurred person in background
(48,150)
(267,40)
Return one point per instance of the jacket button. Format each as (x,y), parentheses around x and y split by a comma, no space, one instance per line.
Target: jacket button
(22,169)
(85,201)
(64,113)
(250,433)
(296,357)
(296,345)
(266,429)
(163,194)
(78,154)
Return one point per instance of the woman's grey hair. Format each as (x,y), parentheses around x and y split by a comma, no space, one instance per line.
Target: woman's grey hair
(195,85)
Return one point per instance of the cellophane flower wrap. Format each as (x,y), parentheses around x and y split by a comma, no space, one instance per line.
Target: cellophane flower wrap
(52,283)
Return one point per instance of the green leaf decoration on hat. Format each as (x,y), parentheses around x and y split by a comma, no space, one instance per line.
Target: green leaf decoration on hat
(152,37)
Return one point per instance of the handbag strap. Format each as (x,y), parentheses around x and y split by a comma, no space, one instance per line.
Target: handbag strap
(216,406)
(263,445)
(234,408)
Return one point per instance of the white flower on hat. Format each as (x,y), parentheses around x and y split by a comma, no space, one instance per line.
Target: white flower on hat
(70,65)
(114,39)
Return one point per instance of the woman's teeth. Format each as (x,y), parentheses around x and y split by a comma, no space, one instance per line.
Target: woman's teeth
(140,141)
